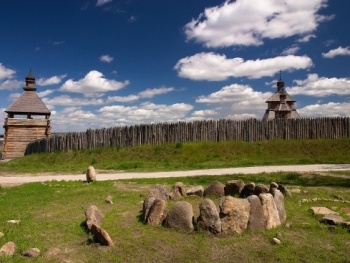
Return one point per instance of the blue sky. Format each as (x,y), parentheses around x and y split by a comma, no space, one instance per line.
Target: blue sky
(105,63)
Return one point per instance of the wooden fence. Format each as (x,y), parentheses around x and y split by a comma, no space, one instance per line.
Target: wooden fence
(210,130)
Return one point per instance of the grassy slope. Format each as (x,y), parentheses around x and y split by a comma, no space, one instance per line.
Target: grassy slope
(186,156)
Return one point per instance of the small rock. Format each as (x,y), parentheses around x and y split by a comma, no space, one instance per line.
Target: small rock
(1,234)
(8,249)
(109,200)
(332,219)
(279,236)
(13,221)
(276,241)
(322,211)
(90,174)
(31,252)
(295,191)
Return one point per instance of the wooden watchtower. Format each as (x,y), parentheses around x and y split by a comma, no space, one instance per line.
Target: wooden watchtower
(32,123)
(281,104)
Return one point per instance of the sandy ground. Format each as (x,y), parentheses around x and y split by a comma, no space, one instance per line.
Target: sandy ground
(21,179)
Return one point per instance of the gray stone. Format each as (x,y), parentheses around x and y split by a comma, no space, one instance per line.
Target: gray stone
(270,210)
(93,216)
(279,200)
(332,219)
(8,249)
(180,216)
(101,236)
(31,252)
(234,214)
(157,213)
(248,190)
(260,188)
(276,241)
(195,191)
(148,202)
(215,189)
(162,194)
(90,174)
(256,215)
(209,219)
(320,210)
(234,187)
(109,199)
(284,190)
(177,191)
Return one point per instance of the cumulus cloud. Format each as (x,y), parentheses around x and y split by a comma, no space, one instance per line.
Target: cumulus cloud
(65,100)
(103,2)
(331,109)
(290,51)
(340,51)
(50,81)
(10,84)
(246,22)
(106,58)
(317,86)
(6,73)
(44,93)
(93,82)
(148,93)
(146,112)
(216,67)
(306,38)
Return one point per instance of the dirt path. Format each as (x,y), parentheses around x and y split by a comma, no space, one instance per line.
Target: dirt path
(21,179)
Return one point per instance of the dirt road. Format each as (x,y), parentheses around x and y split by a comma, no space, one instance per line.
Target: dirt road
(19,179)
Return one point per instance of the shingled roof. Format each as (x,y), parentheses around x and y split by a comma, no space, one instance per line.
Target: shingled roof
(28,102)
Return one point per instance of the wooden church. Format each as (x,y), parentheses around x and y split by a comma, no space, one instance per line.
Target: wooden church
(27,120)
(281,104)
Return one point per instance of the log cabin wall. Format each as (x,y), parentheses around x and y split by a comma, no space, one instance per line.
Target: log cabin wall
(20,132)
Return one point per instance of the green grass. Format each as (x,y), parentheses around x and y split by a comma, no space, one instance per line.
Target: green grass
(52,215)
(185,156)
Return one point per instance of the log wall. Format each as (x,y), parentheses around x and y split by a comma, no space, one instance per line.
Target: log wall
(211,130)
(20,132)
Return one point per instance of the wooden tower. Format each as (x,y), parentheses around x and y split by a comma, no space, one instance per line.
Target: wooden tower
(281,105)
(32,123)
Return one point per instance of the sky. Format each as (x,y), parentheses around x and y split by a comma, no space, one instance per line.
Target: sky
(107,63)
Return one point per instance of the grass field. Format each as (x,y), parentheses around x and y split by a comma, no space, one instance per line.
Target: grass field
(51,214)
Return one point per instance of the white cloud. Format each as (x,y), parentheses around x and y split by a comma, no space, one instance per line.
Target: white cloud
(246,22)
(146,112)
(6,73)
(50,81)
(93,82)
(216,67)
(204,113)
(102,2)
(317,86)
(290,51)
(65,100)
(150,93)
(242,116)
(306,38)
(331,109)
(106,58)
(44,93)
(340,51)
(10,84)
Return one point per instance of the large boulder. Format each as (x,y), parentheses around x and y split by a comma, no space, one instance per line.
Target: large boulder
(260,188)
(90,174)
(215,189)
(256,216)
(270,210)
(234,214)
(93,216)
(177,191)
(195,191)
(284,190)
(148,202)
(279,201)
(8,249)
(234,187)
(101,236)
(209,219)
(247,190)
(180,216)
(162,191)
(157,212)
